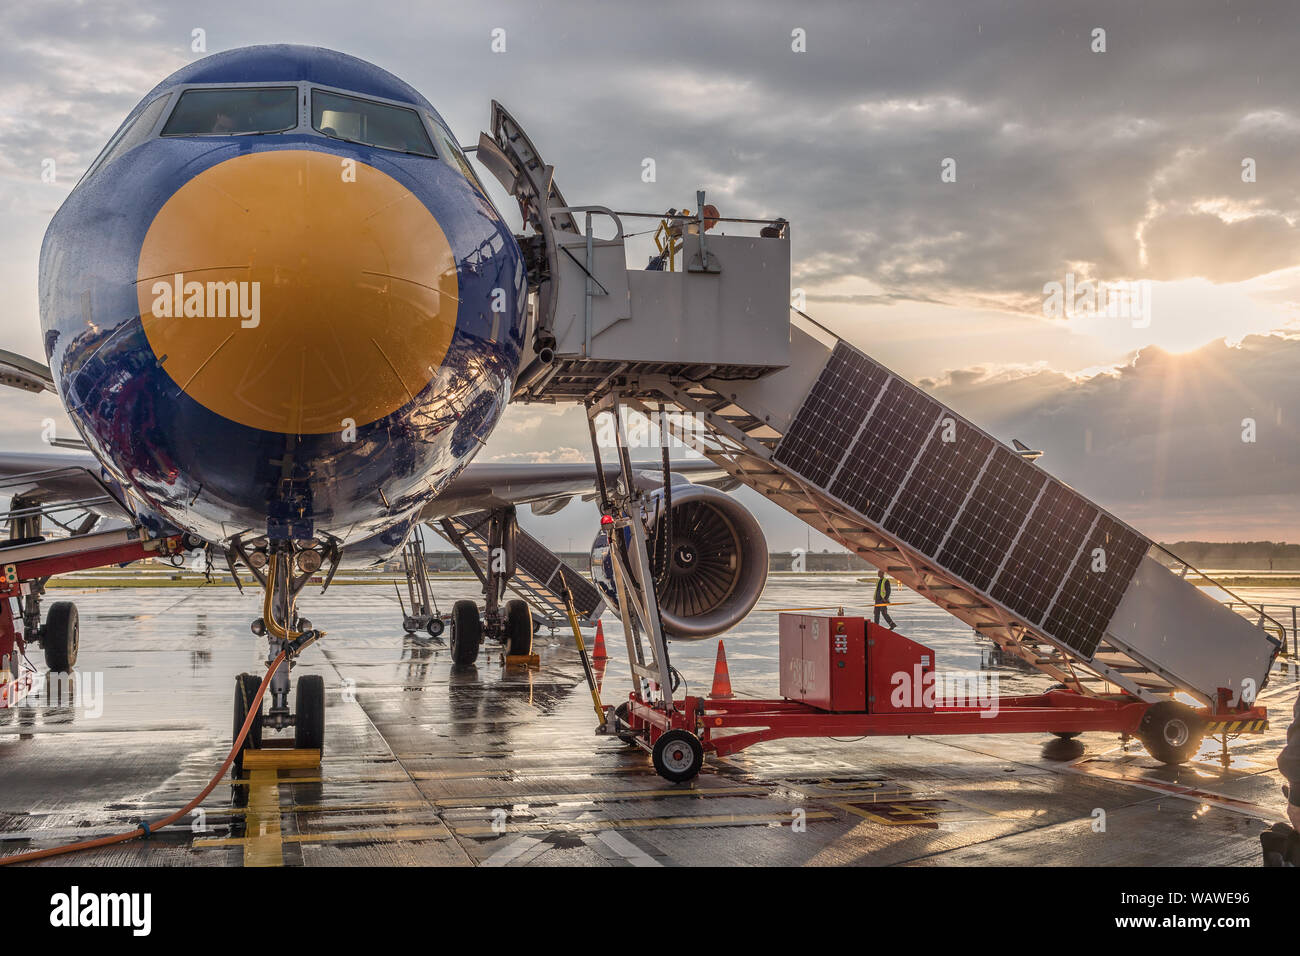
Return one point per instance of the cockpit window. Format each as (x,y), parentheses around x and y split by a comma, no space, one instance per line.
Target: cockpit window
(451,152)
(133,135)
(232,112)
(364,121)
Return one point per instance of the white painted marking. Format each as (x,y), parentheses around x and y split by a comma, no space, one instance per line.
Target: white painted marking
(511,851)
(626,848)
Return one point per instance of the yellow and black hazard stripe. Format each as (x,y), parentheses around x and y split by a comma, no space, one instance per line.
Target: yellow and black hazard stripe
(1256,726)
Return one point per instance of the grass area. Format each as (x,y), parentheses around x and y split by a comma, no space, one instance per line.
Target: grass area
(1259,581)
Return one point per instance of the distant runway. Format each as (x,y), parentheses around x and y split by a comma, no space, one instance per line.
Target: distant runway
(430,764)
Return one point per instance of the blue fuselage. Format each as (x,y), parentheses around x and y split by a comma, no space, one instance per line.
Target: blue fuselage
(358,390)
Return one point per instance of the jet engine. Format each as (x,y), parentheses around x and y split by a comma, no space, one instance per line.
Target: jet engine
(708,555)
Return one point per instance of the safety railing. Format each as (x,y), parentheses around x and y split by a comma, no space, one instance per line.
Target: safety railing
(1249,609)
(1280,612)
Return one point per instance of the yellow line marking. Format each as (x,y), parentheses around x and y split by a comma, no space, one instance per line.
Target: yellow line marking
(498,774)
(906,812)
(491,800)
(281,759)
(588,826)
(263,845)
(367,836)
(284,780)
(593,751)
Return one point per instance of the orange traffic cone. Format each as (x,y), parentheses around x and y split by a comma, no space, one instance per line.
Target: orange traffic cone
(721,676)
(599,653)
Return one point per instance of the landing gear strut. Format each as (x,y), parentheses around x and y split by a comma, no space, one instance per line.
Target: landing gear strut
(508,622)
(283,568)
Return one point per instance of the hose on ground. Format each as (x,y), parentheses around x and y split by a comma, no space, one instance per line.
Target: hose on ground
(146,829)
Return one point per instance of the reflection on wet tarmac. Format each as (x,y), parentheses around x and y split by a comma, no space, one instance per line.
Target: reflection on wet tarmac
(429,763)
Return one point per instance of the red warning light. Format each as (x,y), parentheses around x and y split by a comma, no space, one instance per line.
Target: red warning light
(606,519)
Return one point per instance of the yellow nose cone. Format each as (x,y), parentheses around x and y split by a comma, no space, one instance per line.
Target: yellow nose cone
(296,292)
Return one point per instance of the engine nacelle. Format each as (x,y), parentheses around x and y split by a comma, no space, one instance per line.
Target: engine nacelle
(715,571)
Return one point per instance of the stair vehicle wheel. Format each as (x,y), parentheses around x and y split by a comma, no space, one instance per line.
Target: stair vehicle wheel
(245,688)
(621,712)
(519,629)
(1171,732)
(61,636)
(435,627)
(466,632)
(309,713)
(1062,734)
(678,756)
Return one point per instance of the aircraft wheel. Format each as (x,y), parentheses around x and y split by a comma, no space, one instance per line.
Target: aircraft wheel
(466,632)
(519,628)
(678,755)
(1171,732)
(435,627)
(60,636)
(245,688)
(309,713)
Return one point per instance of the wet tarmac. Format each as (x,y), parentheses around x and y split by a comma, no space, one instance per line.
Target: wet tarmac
(430,764)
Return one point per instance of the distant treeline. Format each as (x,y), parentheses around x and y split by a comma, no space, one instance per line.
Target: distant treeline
(1246,555)
(777,561)
(1235,555)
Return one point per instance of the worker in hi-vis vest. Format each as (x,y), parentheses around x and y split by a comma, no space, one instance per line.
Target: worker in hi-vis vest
(882,600)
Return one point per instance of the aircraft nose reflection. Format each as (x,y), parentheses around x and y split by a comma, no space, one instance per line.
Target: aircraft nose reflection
(291,292)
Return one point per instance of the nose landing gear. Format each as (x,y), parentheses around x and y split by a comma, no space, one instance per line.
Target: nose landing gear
(273,564)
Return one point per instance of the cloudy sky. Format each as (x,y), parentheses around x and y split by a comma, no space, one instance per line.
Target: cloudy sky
(1168,159)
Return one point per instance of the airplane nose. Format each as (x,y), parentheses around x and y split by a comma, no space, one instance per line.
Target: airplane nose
(297,291)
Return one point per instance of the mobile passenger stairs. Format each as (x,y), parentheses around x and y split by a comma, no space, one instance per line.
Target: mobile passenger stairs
(710,346)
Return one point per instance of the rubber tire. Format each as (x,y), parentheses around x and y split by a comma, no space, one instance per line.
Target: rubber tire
(61,637)
(679,743)
(1062,734)
(245,687)
(435,627)
(309,713)
(519,629)
(466,632)
(621,712)
(1164,718)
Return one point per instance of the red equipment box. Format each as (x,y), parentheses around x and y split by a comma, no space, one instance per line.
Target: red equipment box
(823,661)
(849,665)
(900,673)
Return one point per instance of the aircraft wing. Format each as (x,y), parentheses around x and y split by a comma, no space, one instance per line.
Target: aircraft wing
(52,479)
(29,375)
(549,487)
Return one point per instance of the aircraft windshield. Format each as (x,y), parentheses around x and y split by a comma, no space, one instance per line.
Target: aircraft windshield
(364,121)
(229,112)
